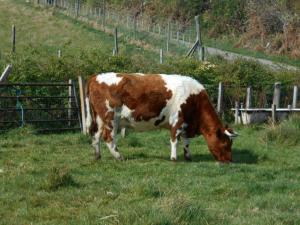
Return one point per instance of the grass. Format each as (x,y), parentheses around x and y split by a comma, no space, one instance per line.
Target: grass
(53,179)
(49,30)
(286,133)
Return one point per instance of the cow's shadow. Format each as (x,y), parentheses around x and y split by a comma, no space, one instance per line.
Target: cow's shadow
(240,156)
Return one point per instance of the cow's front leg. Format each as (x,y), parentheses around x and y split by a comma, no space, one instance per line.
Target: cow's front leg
(96,138)
(175,134)
(96,145)
(110,140)
(186,150)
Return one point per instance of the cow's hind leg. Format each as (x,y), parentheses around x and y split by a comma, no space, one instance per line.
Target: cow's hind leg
(110,138)
(186,150)
(96,138)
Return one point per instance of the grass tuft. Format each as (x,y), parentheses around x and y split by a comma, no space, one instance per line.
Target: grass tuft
(134,142)
(57,178)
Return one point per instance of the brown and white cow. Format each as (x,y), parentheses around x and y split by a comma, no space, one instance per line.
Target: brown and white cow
(150,101)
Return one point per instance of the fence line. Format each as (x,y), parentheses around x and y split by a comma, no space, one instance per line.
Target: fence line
(142,27)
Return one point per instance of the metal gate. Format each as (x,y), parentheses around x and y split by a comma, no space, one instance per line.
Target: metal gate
(45,106)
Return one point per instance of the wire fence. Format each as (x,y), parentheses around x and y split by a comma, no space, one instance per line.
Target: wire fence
(45,106)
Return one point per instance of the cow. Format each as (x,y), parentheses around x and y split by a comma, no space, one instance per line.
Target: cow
(150,101)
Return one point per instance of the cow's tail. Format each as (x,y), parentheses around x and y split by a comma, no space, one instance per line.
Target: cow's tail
(89,117)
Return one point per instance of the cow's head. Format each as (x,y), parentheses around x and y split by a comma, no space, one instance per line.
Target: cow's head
(220,144)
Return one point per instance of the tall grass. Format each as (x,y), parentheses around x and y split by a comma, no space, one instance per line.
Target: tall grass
(285,133)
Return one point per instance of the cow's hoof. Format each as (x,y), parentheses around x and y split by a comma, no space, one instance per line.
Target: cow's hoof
(120,158)
(97,156)
(187,158)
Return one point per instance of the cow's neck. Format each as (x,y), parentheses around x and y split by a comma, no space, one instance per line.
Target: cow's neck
(209,121)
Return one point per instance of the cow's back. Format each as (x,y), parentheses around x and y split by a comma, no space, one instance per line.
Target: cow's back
(153,99)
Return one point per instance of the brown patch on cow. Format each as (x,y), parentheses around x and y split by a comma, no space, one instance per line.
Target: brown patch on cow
(146,95)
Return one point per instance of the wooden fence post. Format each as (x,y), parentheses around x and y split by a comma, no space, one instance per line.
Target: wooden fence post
(249,98)
(220,98)
(13,38)
(103,14)
(82,105)
(70,95)
(199,39)
(116,41)
(276,97)
(273,114)
(295,97)
(161,56)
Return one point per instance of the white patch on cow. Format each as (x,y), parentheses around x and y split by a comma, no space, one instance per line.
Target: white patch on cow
(181,87)
(126,112)
(88,115)
(109,109)
(112,148)
(108,78)
(140,74)
(174,149)
(178,132)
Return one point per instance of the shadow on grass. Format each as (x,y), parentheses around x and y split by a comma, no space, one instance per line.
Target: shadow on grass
(244,156)
(239,156)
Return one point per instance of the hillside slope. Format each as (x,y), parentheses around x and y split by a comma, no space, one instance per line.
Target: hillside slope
(49,30)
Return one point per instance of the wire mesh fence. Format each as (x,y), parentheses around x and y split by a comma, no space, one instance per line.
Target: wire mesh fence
(47,106)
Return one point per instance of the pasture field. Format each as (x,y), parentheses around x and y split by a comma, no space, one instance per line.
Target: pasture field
(47,30)
(53,179)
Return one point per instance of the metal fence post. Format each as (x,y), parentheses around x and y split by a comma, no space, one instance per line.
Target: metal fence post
(116,41)
(70,95)
(13,38)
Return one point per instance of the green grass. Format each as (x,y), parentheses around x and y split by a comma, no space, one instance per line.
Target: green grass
(49,30)
(53,179)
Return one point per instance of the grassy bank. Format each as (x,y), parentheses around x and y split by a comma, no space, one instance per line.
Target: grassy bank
(53,179)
